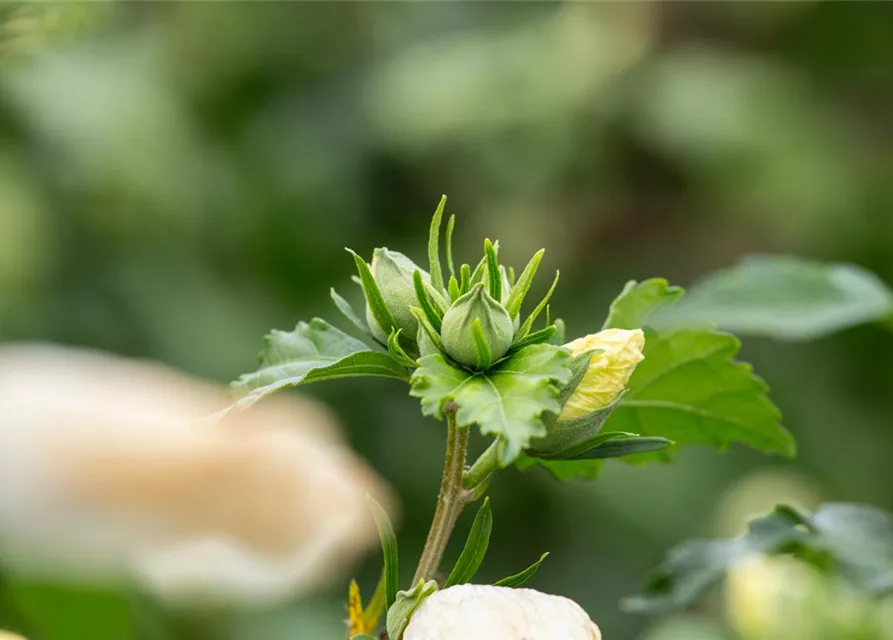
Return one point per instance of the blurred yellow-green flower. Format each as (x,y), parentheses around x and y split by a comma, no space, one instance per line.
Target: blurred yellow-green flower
(618,351)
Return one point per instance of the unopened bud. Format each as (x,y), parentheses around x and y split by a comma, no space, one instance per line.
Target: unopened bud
(393,274)
(457,329)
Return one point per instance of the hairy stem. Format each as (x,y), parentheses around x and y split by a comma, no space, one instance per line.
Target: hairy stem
(483,468)
(450,501)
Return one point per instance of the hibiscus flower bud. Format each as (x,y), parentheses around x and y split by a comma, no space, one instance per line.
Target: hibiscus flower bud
(457,331)
(483,612)
(616,353)
(393,274)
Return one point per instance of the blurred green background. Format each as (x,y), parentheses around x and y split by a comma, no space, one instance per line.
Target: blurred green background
(176,179)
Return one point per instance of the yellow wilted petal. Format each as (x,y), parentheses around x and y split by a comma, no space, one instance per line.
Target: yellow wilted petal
(357,623)
(618,353)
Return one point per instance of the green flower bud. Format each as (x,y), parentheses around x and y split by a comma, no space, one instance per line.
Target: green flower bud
(393,275)
(496,325)
(616,353)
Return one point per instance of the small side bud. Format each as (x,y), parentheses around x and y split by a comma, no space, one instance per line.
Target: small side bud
(458,334)
(618,353)
(393,275)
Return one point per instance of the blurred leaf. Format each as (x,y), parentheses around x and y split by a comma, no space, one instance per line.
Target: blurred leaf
(861,539)
(389,550)
(507,401)
(787,298)
(56,612)
(852,541)
(406,605)
(521,578)
(311,353)
(475,547)
(690,390)
(638,300)
(694,566)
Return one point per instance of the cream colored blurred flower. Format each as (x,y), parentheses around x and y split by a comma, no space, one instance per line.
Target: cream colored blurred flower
(781,598)
(107,473)
(6,635)
(618,353)
(483,612)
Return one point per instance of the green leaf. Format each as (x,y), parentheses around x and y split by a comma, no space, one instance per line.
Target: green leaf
(543,335)
(525,328)
(584,461)
(451,225)
(433,335)
(638,301)
(311,353)
(434,247)
(374,299)
(507,401)
(484,355)
(475,547)
(363,636)
(389,550)
(787,298)
(464,279)
(396,351)
(406,604)
(519,579)
(522,286)
(454,290)
(850,541)
(690,389)
(494,276)
(621,447)
(425,303)
(348,312)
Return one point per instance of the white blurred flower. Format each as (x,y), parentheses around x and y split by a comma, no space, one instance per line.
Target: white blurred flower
(479,612)
(108,474)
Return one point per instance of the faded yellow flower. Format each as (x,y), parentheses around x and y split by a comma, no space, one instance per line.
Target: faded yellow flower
(111,472)
(618,353)
(6,635)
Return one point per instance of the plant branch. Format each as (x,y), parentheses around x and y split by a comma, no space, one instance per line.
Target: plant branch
(450,501)
(483,468)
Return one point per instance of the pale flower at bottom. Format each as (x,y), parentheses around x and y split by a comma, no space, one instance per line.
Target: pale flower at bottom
(483,612)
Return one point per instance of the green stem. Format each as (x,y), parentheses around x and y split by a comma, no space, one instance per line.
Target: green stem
(483,468)
(450,501)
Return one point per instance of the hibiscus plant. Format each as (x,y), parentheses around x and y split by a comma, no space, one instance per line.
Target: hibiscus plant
(484,358)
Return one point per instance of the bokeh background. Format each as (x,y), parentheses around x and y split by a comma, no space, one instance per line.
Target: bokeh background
(176,179)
